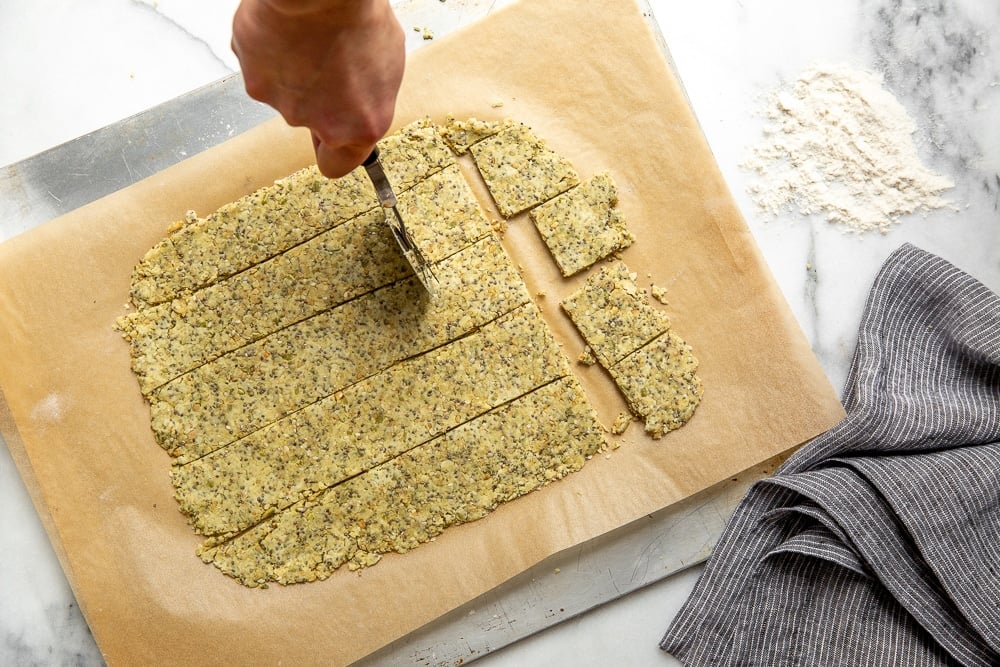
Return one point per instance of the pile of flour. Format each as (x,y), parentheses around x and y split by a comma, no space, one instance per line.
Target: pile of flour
(837,143)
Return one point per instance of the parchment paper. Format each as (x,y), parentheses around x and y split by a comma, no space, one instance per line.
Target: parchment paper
(590,79)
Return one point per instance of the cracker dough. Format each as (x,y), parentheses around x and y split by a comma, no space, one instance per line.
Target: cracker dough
(276,218)
(583,225)
(267,222)
(406,501)
(659,383)
(336,266)
(305,362)
(319,407)
(653,367)
(347,261)
(613,315)
(520,170)
(461,134)
(368,423)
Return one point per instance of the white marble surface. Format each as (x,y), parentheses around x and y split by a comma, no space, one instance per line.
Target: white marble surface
(70,67)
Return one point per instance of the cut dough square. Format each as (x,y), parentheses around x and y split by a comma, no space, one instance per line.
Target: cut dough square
(520,170)
(413,153)
(659,383)
(462,134)
(583,225)
(613,315)
(442,215)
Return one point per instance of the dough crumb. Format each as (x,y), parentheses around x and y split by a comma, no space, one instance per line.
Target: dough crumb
(621,422)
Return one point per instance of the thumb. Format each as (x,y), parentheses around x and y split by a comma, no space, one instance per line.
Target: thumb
(336,161)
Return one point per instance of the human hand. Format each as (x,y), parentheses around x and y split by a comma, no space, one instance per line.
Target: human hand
(333,66)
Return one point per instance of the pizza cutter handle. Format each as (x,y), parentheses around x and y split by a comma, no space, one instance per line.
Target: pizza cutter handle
(382,186)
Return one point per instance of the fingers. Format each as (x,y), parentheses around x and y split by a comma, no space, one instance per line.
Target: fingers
(335,161)
(343,142)
(336,71)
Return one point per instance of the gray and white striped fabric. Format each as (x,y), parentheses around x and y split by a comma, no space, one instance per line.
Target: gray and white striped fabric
(878,543)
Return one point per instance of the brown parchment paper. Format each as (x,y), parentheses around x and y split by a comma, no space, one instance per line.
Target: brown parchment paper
(588,77)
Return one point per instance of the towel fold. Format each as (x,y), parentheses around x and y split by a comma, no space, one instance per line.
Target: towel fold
(878,543)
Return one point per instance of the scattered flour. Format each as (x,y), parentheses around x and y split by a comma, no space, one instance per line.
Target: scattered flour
(839,144)
(48,410)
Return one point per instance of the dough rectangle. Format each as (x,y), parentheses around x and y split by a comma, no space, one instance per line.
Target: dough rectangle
(583,224)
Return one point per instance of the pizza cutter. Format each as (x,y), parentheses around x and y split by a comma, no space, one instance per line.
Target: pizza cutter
(387,198)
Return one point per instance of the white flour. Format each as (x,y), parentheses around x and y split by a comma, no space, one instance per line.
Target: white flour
(836,143)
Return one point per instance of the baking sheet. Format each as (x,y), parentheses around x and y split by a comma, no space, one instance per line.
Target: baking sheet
(590,79)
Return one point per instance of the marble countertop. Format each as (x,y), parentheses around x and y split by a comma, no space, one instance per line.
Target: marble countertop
(69,68)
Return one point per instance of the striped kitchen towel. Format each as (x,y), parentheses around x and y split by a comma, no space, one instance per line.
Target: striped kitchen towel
(878,543)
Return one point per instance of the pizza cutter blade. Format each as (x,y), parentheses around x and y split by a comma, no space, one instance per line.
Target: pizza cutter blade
(421,267)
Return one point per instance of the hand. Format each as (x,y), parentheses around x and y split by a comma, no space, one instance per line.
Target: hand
(333,66)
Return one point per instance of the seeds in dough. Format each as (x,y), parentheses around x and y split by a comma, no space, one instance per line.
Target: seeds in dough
(613,315)
(583,224)
(520,170)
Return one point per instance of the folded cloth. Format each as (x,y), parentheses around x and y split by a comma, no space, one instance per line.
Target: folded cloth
(878,543)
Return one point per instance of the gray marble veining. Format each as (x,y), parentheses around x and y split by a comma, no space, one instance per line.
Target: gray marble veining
(940,59)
